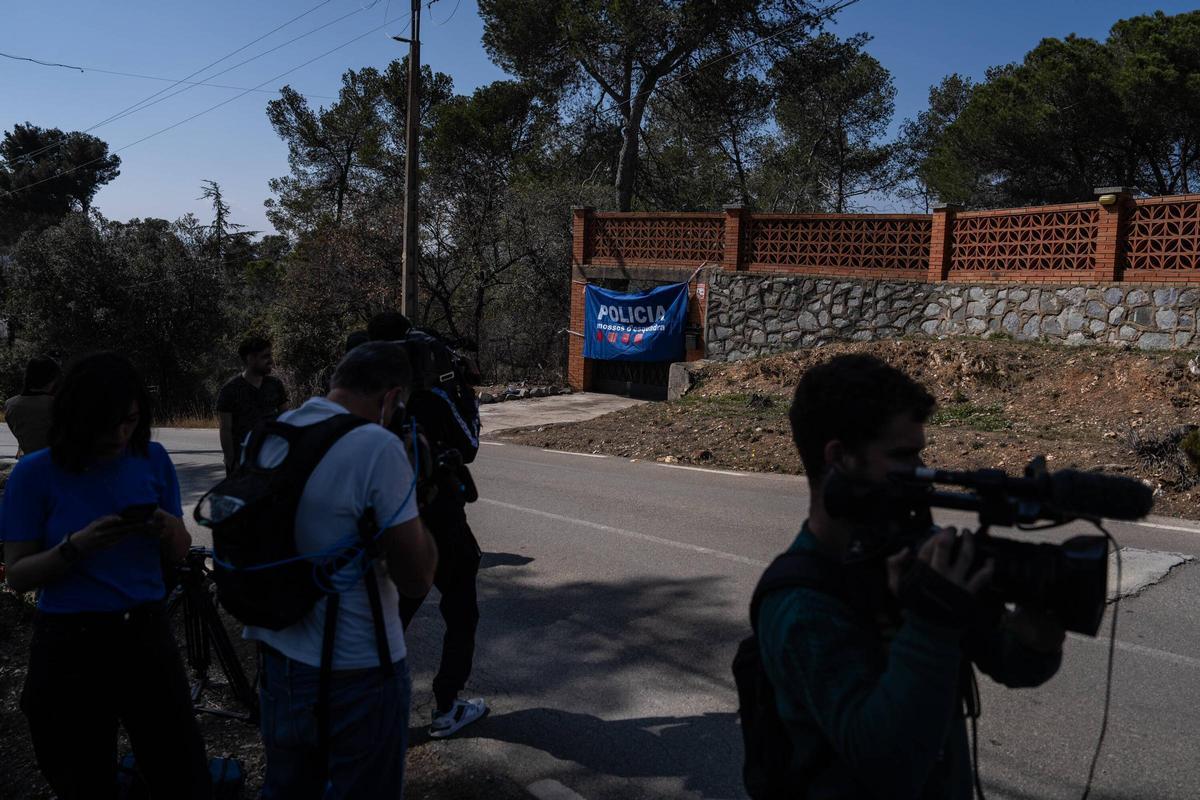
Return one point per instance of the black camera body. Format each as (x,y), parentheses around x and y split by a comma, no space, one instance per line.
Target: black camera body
(438,367)
(436,363)
(1070,579)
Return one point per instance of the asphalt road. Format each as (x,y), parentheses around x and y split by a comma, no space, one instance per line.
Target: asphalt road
(614,594)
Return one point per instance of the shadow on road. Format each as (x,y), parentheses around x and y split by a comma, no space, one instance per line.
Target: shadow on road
(695,748)
(200,478)
(490,560)
(591,671)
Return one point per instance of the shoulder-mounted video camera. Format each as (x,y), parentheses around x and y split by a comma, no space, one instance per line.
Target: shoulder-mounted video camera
(1069,579)
(437,362)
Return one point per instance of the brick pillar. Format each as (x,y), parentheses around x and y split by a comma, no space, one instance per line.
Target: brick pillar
(1110,239)
(734,216)
(580,250)
(941,242)
(579,369)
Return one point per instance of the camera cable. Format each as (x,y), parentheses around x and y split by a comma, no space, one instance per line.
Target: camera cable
(1112,648)
(974,707)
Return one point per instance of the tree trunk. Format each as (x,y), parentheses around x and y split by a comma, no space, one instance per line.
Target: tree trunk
(627,164)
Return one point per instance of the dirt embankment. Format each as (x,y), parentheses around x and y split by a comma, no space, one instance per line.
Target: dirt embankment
(1000,403)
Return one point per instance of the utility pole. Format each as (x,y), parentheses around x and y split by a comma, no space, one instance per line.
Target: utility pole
(408,294)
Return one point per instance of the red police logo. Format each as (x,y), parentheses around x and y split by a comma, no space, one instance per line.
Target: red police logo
(600,336)
(638,339)
(625,338)
(612,338)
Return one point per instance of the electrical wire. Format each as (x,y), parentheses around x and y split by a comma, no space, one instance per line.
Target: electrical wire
(39,61)
(201,113)
(457,3)
(139,104)
(175,81)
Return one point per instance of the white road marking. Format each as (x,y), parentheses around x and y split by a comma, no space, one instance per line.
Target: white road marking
(1160,527)
(494,444)
(573,453)
(645,537)
(1129,647)
(1140,649)
(704,469)
(550,789)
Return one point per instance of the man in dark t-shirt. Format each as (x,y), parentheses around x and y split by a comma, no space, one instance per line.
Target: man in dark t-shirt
(249,398)
(28,414)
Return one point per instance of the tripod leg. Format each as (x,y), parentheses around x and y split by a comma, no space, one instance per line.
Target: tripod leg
(218,638)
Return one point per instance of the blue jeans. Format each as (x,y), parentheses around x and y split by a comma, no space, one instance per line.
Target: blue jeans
(367,739)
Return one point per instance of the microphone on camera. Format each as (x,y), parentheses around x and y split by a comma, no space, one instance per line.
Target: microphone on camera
(1093,494)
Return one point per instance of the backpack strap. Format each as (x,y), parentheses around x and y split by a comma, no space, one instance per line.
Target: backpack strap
(801,569)
(367,528)
(307,446)
(325,684)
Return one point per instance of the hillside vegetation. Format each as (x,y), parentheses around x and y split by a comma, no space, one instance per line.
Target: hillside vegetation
(1000,403)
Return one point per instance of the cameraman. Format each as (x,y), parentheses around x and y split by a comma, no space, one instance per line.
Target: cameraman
(871,684)
(449,418)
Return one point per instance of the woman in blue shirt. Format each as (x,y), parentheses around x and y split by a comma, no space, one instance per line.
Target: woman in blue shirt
(102,652)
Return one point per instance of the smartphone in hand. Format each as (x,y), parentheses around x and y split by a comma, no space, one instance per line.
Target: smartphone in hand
(136,519)
(141,513)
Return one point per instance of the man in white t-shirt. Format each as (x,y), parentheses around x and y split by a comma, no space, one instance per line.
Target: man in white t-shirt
(367,469)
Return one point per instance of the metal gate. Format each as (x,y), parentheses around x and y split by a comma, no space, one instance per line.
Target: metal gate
(645,380)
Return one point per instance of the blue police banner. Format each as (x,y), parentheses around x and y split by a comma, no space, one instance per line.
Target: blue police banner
(644,326)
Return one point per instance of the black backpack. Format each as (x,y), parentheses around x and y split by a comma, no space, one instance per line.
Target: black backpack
(767,770)
(261,578)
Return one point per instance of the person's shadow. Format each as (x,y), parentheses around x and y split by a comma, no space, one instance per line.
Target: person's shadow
(698,749)
(490,560)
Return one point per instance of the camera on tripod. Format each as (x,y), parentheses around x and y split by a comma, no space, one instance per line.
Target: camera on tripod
(1069,579)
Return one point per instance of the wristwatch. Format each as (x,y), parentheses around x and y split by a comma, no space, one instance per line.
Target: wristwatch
(68,550)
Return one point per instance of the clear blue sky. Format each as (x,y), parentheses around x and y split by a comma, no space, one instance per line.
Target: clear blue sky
(919,41)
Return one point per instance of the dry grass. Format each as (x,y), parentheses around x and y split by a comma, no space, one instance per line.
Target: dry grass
(190,421)
(1000,404)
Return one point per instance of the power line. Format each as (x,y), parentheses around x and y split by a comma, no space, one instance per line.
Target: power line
(175,81)
(457,3)
(205,111)
(39,61)
(144,102)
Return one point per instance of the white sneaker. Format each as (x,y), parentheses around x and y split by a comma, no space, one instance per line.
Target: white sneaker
(460,715)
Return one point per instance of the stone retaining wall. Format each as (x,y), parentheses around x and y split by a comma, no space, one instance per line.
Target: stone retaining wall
(752,315)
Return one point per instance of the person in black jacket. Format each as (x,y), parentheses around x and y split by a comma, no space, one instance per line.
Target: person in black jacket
(448,415)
